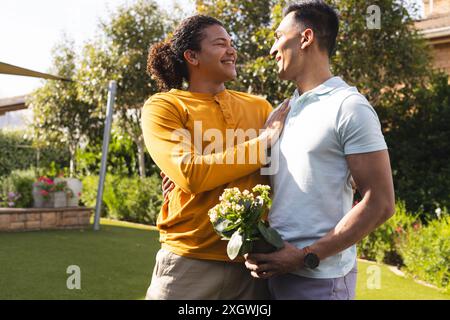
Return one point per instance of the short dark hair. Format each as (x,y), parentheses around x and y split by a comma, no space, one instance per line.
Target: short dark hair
(321,18)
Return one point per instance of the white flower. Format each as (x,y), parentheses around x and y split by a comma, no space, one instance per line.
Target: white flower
(213,216)
(259,200)
(438,212)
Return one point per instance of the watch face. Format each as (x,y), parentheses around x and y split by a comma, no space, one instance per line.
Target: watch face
(311,261)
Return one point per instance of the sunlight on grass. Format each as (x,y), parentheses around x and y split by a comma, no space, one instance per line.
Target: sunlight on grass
(117,262)
(377,282)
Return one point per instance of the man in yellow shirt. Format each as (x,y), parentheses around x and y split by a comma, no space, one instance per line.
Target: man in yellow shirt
(205,139)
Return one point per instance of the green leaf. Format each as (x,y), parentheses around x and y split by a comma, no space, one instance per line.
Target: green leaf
(221,225)
(234,245)
(271,235)
(246,247)
(228,233)
(255,214)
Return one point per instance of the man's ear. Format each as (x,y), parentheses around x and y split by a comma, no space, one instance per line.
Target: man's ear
(191,57)
(307,38)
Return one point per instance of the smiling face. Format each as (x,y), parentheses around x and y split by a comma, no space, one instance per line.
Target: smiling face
(216,59)
(288,48)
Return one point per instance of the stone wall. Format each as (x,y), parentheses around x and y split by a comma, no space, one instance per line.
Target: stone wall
(44,218)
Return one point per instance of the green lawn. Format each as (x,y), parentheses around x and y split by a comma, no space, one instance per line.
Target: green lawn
(116,263)
(391,286)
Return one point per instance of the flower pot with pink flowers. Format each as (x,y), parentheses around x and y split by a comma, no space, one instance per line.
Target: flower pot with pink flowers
(60,194)
(43,193)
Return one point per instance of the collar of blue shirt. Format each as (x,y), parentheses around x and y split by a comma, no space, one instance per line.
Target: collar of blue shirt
(324,88)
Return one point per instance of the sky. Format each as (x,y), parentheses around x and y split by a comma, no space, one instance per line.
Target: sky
(30,28)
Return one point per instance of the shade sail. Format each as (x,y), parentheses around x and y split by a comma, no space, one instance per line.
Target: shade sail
(12,104)
(6,68)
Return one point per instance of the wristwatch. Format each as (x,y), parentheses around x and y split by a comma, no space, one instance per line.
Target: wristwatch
(310,260)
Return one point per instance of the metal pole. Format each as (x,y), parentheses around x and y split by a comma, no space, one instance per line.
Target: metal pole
(106,135)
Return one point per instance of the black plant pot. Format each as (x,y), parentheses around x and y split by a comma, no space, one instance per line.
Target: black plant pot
(262,246)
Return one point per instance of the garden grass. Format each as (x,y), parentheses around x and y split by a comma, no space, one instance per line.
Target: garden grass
(391,286)
(117,262)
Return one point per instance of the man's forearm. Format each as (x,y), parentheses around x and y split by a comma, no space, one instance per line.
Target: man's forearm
(361,220)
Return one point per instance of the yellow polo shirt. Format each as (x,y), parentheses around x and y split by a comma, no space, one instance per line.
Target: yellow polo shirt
(182,132)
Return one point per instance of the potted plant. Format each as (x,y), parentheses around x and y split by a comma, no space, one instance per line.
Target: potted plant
(59,193)
(72,198)
(43,193)
(74,188)
(238,217)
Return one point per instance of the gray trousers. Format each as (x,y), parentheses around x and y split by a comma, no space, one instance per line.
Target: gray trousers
(179,278)
(294,287)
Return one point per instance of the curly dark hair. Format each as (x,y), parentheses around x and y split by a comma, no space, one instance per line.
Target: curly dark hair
(166,61)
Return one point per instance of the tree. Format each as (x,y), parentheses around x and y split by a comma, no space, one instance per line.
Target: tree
(121,55)
(420,147)
(242,19)
(61,118)
(386,64)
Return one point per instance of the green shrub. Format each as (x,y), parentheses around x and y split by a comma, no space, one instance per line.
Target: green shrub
(89,193)
(16,152)
(138,199)
(16,189)
(126,198)
(19,153)
(426,252)
(122,157)
(422,249)
(419,146)
(382,244)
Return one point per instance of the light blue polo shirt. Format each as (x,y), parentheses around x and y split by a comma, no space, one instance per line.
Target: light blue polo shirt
(311,189)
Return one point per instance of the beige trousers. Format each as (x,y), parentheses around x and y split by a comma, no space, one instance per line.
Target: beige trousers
(180,278)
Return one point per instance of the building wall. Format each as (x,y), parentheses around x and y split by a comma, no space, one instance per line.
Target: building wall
(441,56)
(437,17)
(439,7)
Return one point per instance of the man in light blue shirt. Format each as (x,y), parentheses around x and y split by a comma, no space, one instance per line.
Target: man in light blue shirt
(331,134)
